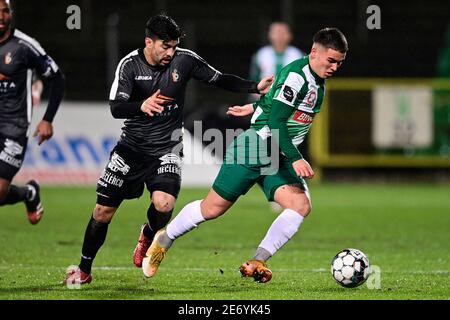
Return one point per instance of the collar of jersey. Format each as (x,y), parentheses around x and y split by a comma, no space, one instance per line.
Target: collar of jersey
(7,39)
(316,77)
(144,60)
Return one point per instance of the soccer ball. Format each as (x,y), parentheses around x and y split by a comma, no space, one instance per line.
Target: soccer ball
(350,268)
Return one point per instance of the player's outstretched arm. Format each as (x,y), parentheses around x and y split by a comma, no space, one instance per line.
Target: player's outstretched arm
(240,111)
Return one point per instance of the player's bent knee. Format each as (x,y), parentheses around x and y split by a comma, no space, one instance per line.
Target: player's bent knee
(103,214)
(163,207)
(163,202)
(305,209)
(211,211)
(302,206)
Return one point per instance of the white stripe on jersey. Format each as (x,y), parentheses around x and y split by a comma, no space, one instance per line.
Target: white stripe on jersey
(37,49)
(32,42)
(29,96)
(193,54)
(115,84)
(295,81)
(312,87)
(290,89)
(309,75)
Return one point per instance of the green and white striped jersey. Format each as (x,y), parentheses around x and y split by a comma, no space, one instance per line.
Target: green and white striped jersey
(298,87)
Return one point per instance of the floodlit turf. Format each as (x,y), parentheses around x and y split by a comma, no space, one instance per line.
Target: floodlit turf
(403,229)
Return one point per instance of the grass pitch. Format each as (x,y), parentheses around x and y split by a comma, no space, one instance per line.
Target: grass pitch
(403,229)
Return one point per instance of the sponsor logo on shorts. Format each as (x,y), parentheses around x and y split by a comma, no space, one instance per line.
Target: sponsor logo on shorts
(170,158)
(170,168)
(10,151)
(111,179)
(170,163)
(12,148)
(118,164)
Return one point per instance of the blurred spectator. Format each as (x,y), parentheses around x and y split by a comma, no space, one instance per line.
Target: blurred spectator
(270,59)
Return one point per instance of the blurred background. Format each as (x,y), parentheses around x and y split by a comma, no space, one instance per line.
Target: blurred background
(387,112)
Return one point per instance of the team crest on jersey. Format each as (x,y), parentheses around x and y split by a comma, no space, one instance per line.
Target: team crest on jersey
(8,58)
(311,98)
(175,75)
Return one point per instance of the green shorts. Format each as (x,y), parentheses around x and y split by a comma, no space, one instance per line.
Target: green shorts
(236,177)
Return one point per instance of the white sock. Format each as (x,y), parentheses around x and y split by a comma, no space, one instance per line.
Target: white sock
(187,219)
(281,231)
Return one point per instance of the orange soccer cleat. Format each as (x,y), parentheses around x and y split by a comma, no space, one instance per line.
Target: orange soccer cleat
(256,269)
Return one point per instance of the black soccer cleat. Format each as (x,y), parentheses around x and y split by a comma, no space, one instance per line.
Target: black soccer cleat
(35,210)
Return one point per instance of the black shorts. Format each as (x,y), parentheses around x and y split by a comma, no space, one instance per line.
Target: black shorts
(12,153)
(127,171)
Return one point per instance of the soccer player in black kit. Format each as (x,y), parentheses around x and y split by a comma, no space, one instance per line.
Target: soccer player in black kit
(20,56)
(148,91)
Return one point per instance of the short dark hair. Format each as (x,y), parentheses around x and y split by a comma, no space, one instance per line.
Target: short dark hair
(162,27)
(331,38)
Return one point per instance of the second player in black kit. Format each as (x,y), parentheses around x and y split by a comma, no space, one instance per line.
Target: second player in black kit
(20,57)
(149,92)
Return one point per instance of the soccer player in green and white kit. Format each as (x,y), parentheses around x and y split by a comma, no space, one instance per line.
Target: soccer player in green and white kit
(285,116)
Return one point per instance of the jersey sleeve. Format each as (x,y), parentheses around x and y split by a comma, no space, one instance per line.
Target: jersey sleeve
(279,115)
(288,91)
(202,71)
(43,65)
(122,85)
(39,61)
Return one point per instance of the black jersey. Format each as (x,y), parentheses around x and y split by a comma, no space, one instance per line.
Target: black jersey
(20,56)
(136,80)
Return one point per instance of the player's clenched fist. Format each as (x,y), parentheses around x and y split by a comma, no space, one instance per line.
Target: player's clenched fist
(153,104)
